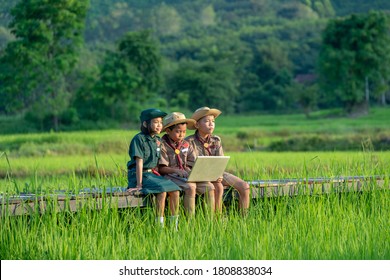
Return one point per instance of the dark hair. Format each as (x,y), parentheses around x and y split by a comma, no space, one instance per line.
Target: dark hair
(146,130)
(175,125)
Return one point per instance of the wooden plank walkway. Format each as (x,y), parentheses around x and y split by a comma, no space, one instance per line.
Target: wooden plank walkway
(117,197)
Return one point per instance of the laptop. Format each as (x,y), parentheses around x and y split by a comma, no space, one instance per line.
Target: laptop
(206,169)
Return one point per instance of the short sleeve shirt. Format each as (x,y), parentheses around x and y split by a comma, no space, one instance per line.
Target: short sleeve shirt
(169,156)
(211,147)
(146,147)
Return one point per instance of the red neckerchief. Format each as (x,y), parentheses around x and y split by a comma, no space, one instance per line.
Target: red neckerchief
(205,143)
(177,150)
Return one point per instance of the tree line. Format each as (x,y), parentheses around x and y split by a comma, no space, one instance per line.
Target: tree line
(61,63)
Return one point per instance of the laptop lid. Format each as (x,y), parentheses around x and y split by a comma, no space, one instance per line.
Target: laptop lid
(208,168)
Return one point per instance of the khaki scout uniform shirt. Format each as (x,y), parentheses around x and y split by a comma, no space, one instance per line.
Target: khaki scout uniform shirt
(169,154)
(210,147)
(187,155)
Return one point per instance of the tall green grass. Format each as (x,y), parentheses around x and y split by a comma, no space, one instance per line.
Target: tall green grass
(75,172)
(347,226)
(352,225)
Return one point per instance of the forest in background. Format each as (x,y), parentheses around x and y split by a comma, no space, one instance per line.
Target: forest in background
(242,56)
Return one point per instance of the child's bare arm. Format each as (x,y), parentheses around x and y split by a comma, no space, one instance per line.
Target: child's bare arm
(139,164)
(138,173)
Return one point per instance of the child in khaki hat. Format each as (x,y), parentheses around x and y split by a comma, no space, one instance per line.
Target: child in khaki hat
(205,143)
(175,153)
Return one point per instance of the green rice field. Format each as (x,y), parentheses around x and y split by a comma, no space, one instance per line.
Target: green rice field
(346,226)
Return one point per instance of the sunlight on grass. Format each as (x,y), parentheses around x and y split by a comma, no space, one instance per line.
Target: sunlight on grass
(351,225)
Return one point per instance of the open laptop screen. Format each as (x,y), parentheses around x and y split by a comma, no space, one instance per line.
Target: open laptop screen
(206,169)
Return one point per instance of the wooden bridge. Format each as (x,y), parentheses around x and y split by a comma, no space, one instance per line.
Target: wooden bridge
(117,197)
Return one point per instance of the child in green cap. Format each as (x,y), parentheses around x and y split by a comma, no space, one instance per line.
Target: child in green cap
(144,152)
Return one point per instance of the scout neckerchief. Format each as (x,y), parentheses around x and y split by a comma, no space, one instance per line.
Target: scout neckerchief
(204,142)
(176,149)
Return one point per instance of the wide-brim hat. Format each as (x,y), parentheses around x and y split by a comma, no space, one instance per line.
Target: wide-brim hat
(151,113)
(176,118)
(202,112)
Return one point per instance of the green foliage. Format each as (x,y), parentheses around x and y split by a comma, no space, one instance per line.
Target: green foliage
(321,7)
(325,130)
(48,34)
(129,77)
(291,10)
(325,142)
(117,81)
(305,95)
(355,49)
(5,37)
(258,48)
(264,88)
(142,51)
(210,83)
(346,7)
(166,20)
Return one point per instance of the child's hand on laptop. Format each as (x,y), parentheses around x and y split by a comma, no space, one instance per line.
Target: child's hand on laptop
(182,173)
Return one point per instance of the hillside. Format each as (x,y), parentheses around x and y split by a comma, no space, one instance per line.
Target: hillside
(238,55)
(108,20)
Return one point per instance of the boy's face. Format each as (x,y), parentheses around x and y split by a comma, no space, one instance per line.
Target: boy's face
(206,125)
(156,125)
(177,132)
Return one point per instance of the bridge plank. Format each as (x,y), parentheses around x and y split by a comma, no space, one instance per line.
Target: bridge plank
(117,197)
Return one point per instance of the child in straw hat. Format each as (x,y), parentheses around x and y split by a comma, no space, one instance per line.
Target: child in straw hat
(144,152)
(206,144)
(175,153)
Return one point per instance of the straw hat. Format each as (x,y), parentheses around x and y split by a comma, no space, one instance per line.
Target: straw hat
(176,118)
(205,111)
